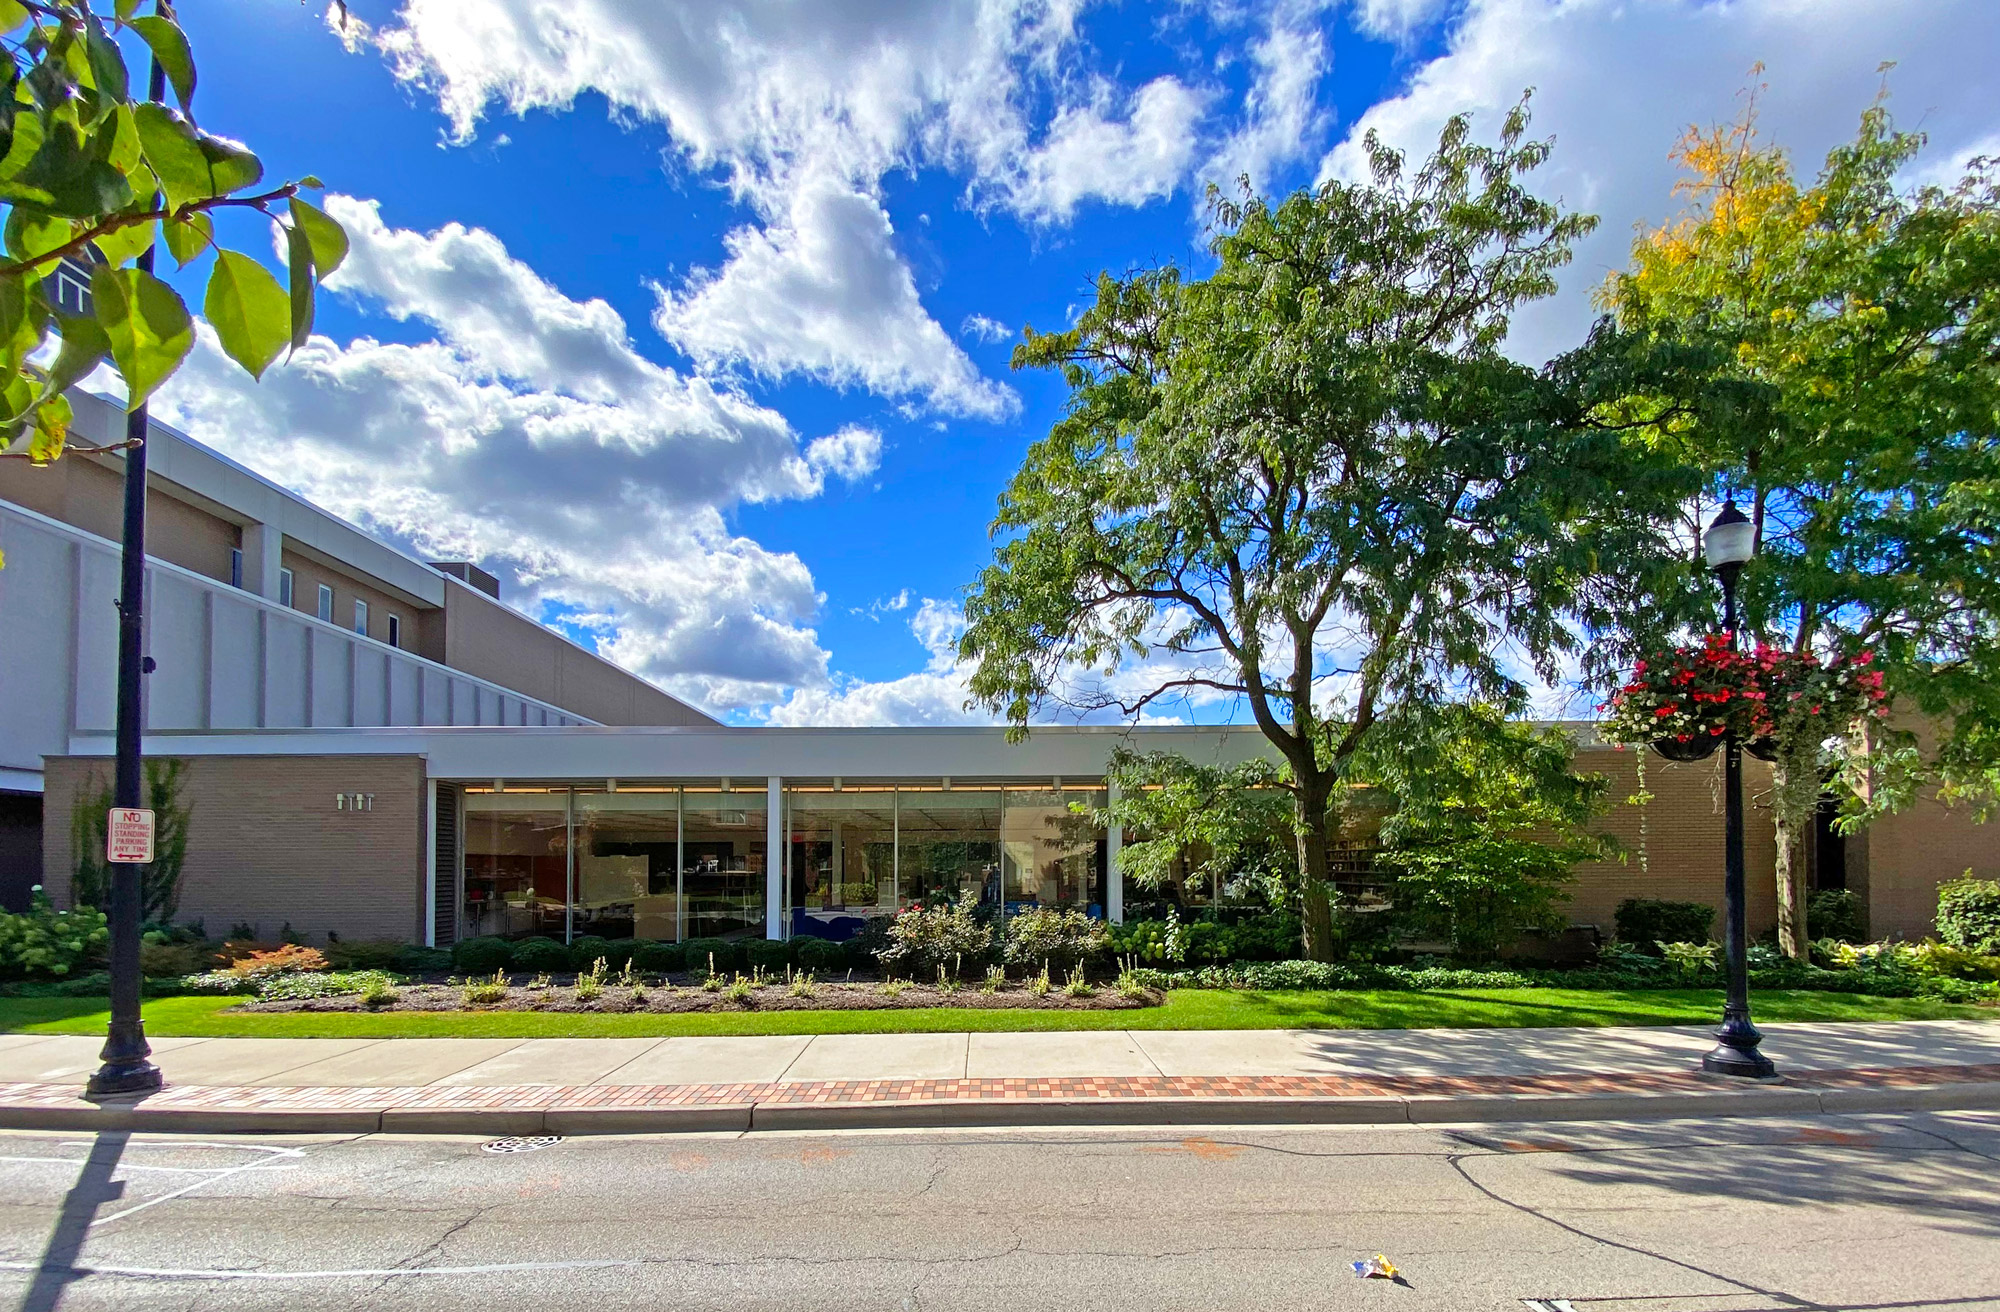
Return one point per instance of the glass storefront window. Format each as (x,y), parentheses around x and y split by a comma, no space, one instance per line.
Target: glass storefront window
(516,863)
(675,861)
(628,863)
(950,844)
(1054,858)
(723,842)
(843,860)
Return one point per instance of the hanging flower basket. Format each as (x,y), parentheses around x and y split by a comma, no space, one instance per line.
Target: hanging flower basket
(1690,749)
(1687,700)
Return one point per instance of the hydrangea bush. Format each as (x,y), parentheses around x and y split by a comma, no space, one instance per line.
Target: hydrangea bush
(43,942)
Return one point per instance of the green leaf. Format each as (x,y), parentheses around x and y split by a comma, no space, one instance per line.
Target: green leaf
(122,244)
(169,45)
(24,318)
(188,238)
(52,420)
(70,176)
(12,15)
(83,346)
(149,327)
(124,9)
(231,165)
(125,154)
(31,233)
(169,143)
(302,285)
(249,311)
(107,65)
(21,148)
(312,183)
(328,238)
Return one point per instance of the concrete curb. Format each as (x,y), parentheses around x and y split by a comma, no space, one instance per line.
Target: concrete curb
(1771,1100)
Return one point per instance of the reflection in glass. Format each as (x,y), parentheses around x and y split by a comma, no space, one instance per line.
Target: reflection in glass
(1054,858)
(950,848)
(843,860)
(723,841)
(627,861)
(516,863)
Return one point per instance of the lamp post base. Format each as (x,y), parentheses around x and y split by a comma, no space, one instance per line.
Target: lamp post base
(1735,1052)
(115,1078)
(126,1068)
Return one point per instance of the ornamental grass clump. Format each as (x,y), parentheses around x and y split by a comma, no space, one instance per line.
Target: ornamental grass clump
(486,992)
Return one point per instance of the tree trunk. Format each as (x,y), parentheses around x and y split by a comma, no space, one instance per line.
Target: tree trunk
(1316,894)
(1793,932)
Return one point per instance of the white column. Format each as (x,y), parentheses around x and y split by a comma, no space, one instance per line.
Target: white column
(1114,878)
(775,849)
(263,548)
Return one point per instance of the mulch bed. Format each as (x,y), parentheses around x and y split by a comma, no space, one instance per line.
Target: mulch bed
(774,995)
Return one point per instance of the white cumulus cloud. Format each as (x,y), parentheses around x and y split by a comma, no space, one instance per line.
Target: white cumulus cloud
(824,293)
(1617,81)
(533,438)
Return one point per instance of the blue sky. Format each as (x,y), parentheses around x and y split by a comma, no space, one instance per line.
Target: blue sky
(712,369)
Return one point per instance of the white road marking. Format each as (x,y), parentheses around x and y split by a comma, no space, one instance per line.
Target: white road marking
(356,1273)
(134,1166)
(207,1179)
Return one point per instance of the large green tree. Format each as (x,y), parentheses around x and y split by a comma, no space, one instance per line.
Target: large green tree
(93,168)
(1863,310)
(1311,481)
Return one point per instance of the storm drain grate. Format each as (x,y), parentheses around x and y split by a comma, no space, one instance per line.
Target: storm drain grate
(520,1143)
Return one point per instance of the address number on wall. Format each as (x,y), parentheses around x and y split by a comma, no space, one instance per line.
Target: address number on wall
(354,801)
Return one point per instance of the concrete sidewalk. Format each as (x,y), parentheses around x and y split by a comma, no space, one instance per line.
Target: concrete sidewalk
(1158,1076)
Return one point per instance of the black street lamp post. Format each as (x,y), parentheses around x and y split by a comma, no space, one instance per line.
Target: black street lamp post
(128,1067)
(1729,543)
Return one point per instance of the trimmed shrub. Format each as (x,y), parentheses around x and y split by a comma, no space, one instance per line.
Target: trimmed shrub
(586,949)
(1835,913)
(819,954)
(369,954)
(724,952)
(538,956)
(482,955)
(1646,922)
(617,953)
(1969,914)
(169,960)
(657,957)
(1063,939)
(414,960)
(769,954)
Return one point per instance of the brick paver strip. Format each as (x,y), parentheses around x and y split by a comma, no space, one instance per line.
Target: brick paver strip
(1003,1090)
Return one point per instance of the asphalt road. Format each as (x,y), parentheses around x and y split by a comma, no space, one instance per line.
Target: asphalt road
(1886,1212)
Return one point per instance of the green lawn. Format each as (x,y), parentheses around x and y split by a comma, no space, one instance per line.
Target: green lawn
(1187,1009)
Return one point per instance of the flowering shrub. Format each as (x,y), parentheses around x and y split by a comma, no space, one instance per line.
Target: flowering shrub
(923,940)
(1691,693)
(43,941)
(1045,934)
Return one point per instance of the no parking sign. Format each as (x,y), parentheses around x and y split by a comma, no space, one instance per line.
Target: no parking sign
(128,836)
